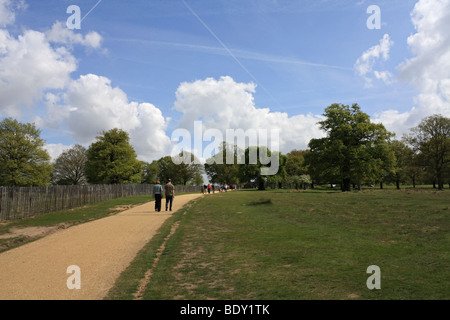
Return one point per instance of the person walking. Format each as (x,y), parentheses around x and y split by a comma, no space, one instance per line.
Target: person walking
(157,194)
(169,191)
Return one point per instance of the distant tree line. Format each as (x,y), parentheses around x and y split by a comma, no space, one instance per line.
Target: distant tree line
(109,160)
(354,152)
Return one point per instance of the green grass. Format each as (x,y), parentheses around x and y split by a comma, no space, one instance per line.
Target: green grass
(287,245)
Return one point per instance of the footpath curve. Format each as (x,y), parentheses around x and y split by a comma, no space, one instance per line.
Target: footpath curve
(101,249)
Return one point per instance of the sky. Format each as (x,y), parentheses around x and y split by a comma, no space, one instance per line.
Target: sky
(154,67)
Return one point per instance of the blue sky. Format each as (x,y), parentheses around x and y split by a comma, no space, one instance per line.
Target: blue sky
(268,63)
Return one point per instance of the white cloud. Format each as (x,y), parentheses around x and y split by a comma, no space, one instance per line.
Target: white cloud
(94,106)
(60,34)
(55,150)
(35,62)
(29,65)
(225,104)
(365,64)
(7,11)
(385,76)
(429,69)
(36,68)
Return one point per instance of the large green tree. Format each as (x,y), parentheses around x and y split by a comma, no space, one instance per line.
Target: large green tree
(112,160)
(403,154)
(252,169)
(431,141)
(183,169)
(23,159)
(69,167)
(150,172)
(295,163)
(221,171)
(188,168)
(354,149)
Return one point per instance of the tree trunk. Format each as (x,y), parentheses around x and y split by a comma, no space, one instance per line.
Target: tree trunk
(346,185)
(440,182)
(398,184)
(381,184)
(261,184)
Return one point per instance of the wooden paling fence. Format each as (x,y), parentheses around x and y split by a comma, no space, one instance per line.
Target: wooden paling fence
(23,202)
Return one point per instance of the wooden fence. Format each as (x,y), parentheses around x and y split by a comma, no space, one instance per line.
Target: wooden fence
(23,202)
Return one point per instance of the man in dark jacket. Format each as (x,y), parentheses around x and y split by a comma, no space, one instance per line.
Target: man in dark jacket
(157,194)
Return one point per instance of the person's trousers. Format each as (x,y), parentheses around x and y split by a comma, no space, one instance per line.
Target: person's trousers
(158,202)
(169,200)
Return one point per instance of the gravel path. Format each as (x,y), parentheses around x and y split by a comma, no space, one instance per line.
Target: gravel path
(101,249)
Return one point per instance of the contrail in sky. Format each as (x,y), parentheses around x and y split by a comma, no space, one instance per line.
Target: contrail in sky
(227,49)
(91,10)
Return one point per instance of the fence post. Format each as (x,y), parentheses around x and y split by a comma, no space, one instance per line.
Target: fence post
(30,212)
(1,204)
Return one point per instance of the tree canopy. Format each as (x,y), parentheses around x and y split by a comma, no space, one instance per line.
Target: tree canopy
(354,149)
(430,140)
(219,170)
(69,167)
(112,160)
(23,159)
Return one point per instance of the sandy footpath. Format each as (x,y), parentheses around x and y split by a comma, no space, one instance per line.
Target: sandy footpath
(101,249)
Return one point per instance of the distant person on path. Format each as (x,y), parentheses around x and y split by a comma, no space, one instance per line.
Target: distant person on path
(169,191)
(209,188)
(157,194)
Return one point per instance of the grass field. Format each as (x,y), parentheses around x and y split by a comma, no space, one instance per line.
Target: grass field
(289,245)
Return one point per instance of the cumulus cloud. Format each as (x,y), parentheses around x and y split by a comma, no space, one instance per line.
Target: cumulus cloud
(90,105)
(60,34)
(8,11)
(36,68)
(34,63)
(429,69)
(94,105)
(365,64)
(29,66)
(55,150)
(226,104)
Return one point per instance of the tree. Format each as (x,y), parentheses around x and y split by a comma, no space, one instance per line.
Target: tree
(23,160)
(150,172)
(276,180)
(112,160)
(295,163)
(219,170)
(402,155)
(187,168)
(430,140)
(250,171)
(354,150)
(69,167)
(302,181)
(167,170)
(182,169)
(413,169)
